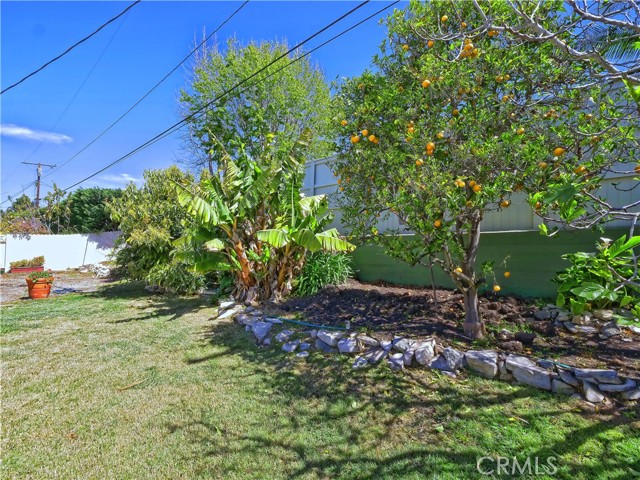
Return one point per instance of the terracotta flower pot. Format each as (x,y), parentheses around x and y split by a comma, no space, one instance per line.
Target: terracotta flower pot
(40,288)
(39,268)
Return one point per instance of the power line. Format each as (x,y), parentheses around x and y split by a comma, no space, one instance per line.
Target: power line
(140,99)
(71,47)
(180,123)
(150,91)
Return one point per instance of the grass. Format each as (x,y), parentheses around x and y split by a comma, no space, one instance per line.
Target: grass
(123,385)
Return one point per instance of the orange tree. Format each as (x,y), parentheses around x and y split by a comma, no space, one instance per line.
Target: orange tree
(442,132)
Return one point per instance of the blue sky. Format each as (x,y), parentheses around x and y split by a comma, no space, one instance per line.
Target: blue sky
(54,114)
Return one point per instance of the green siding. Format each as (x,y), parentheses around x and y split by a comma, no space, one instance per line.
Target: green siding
(533,261)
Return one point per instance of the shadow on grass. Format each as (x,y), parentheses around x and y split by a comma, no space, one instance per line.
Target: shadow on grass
(397,425)
(149,305)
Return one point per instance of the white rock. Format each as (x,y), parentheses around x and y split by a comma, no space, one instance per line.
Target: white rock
(604,315)
(330,338)
(304,354)
(485,362)
(396,361)
(290,347)
(402,344)
(261,330)
(408,356)
(592,393)
(597,375)
(368,341)
(376,355)
(360,362)
(623,387)
(632,394)
(284,335)
(558,386)
(425,351)
(273,320)
(567,377)
(229,313)
(348,345)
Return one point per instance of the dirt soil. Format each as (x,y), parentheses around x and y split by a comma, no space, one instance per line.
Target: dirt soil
(13,286)
(390,310)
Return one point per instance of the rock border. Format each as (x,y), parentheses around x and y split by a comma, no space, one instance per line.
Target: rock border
(593,385)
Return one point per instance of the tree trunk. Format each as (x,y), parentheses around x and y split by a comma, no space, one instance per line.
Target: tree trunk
(473,324)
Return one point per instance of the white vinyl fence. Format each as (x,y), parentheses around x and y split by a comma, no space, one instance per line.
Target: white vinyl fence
(319,179)
(60,251)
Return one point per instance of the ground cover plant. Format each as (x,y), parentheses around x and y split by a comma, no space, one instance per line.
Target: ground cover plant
(152,387)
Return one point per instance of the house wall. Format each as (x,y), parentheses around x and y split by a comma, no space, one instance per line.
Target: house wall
(60,251)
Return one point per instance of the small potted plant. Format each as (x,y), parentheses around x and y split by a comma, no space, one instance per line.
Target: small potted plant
(39,284)
(36,264)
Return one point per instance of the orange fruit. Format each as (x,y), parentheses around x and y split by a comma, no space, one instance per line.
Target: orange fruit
(520,131)
(440,135)
(437,223)
(538,205)
(496,288)
(493,33)
(458,270)
(558,151)
(477,188)
(469,204)
(355,139)
(419,162)
(507,274)
(405,47)
(472,183)
(425,83)
(430,153)
(430,43)
(343,122)
(410,130)
(455,112)
(365,132)
(372,138)
(542,164)
(505,203)
(376,141)
(431,146)
(361,86)
(580,169)
(339,181)
(499,78)
(463,25)
(468,47)
(637,168)
(444,18)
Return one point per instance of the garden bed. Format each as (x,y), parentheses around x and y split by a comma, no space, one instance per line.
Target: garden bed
(391,310)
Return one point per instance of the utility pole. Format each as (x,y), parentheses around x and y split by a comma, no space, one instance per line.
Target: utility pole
(39,174)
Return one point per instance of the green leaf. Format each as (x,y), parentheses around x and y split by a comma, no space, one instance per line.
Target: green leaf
(307,239)
(214,245)
(330,241)
(275,237)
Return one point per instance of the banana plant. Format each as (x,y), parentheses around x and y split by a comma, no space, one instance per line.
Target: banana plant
(252,220)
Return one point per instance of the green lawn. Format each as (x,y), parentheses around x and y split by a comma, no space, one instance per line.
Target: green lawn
(212,405)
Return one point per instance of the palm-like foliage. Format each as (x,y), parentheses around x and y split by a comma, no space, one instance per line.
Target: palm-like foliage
(253,221)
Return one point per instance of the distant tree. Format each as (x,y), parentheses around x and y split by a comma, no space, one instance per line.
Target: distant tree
(88,210)
(265,113)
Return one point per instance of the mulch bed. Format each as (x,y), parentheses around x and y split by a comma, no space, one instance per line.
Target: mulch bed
(390,310)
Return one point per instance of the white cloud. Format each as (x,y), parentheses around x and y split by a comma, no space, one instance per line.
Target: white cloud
(24,133)
(121,179)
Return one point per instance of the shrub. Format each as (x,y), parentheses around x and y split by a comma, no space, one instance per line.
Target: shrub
(176,277)
(34,262)
(34,276)
(322,269)
(597,280)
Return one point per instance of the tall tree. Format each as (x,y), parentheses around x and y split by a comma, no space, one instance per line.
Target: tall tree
(266,112)
(455,121)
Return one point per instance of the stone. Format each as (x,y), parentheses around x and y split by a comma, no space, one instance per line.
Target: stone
(402,344)
(610,329)
(450,360)
(581,319)
(368,341)
(396,361)
(424,353)
(386,344)
(375,355)
(243,319)
(485,362)
(563,318)
(513,346)
(534,376)
(304,346)
(284,335)
(226,305)
(591,392)
(631,394)
(542,315)
(516,361)
(326,348)
(597,375)
(304,354)
(408,357)
(290,347)
(229,313)
(274,320)
(558,386)
(256,313)
(586,330)
(360,362)
(568,378)
(505,335)
(546,364)
(526,338)
(261,330)
(330,338)
(604,315)
(266,342)
(629,384)
(313,333)
(348,345)
(571,327)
